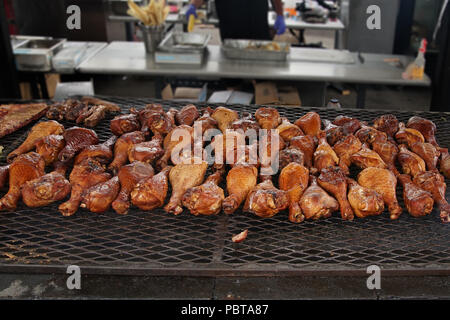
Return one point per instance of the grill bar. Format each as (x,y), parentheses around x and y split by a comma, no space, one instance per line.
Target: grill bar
(155,243)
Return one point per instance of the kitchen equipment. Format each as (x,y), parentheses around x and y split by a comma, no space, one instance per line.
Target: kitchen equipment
(73,53)
(37,54)
(255,50)
(182,48)
(152,36)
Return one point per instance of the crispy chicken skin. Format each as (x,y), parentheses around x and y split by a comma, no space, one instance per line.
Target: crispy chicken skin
(364,201)
(268,118)
(49,147)
(45,190)
(121,147)
(76,140)
(150,193)
(418,202)
(125,123)
(294,179)
(99,198)
(426,127)
(240,180)
(310,123)
(315,203)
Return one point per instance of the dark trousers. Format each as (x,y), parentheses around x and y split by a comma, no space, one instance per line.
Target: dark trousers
(243,19)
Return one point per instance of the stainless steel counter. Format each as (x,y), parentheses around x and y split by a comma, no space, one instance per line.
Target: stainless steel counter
(130,58)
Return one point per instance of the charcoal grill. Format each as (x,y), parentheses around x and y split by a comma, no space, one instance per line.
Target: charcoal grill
(157,243)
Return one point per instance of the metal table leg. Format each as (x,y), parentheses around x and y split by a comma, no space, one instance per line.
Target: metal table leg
(360,96)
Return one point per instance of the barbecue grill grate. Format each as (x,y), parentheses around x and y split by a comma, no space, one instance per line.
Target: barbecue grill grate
(41,240)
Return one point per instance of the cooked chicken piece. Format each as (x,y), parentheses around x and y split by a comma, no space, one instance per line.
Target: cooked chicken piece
(94,114)
(287,130)
(428,152)
(418,202)
(268,118)
(129,176)
(226,147)
(56,111)
(150,110)
(434,183)
(49,147)
(100,152)
(411,163)
(444,163)
(207,198)
(148,151)
(100,197)
(365,202)
(294,179)
(73,109)
(246,122)
(384,182)
(176,146)
(334,133)
(408,136)
(306,144)
(268,151)
(76,140)
(151,193)
(123,144)
(97,102)
(224,117)
(344,149)
(366,157)
(4,176)
(125,123)
(45,190)
(205,122)
(324,156)
(265,200)
(426,127)
(309,123)
(187,115)
(182,177)
(83,176)
(315,203)
(25,167)
(291,155)
(333,181)
(387,123)
(162,122)
(240,180)
(368,135)
(388,151)
(349,125)
(39,131)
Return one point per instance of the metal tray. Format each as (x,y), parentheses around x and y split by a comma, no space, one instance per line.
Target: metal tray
(37,54)
(184,42)
(156,243)
(243,49)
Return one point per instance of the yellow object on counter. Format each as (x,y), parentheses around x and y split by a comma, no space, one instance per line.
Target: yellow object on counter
(191,23)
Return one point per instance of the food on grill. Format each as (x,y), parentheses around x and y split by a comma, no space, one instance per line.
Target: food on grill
(291,155)
(426,127)
(444,162)
(151,192)
(344,149)
(265,200)
(99,197)
(349,125)
(240,180)
(310,123)
(434,183)
(155,119)
(369,135)
(45,190)
(240,236)
(224,117)
(410,162)
(123,144)
(388,151)
(246,122)
(125,123)
(316,203)
(418,202)
(187,115)
(288,130)
(102,152)
(49,147)
(83,176)
(129,176)
(387,123)
(148,151)
(307,145)
(294,180)
(366,158)
(4,176)
(188,174)
(16,116)
(205,199)
(76,140)
(333,180)
(333,132)
(39,131)
(324,156)
(268,118)
(408,136)
(170,144)
(384,182)
(206,121)
(365,202)
(428,152)
(25,167)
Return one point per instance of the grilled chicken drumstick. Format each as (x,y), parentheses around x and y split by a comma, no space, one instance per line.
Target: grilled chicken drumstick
(294,179)
(240,180)
(315,203)
(100,197)
(418,202)
(365,202)
(151,192)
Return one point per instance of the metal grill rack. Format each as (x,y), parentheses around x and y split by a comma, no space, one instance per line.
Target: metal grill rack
(156,243)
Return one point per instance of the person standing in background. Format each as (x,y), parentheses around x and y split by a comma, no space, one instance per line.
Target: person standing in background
(244,19)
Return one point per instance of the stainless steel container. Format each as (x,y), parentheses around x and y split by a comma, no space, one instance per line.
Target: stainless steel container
(182,48)
(254,50)
(152,36)
(37,54)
